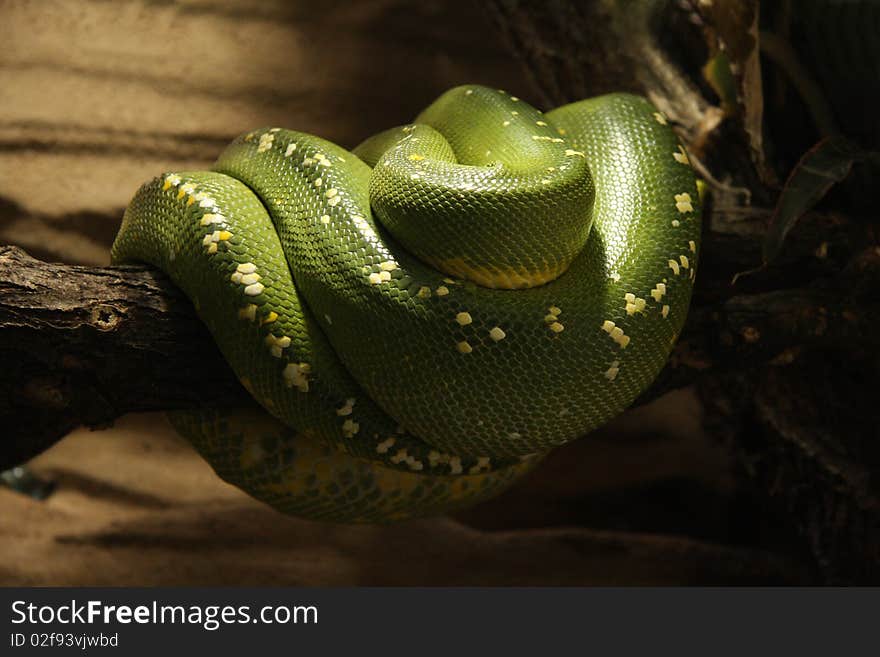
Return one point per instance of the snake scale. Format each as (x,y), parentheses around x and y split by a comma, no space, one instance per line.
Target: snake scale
(422,318)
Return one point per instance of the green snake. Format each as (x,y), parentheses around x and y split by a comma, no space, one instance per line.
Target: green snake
(420,319)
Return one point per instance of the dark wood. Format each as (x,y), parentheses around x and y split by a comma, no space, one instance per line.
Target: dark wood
(82,346)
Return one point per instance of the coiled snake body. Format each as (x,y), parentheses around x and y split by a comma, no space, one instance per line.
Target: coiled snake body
(426,315)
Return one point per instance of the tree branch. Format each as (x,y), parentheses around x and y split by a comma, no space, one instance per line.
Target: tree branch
(83,346)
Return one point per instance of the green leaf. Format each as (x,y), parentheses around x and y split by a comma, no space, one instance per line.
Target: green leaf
(819,169)
(719,75)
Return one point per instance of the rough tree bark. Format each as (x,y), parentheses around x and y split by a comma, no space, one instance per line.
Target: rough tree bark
(83,346)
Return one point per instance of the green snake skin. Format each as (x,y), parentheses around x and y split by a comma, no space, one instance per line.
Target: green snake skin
(425,316)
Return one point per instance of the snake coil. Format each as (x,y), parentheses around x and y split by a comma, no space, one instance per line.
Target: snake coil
(423,317)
